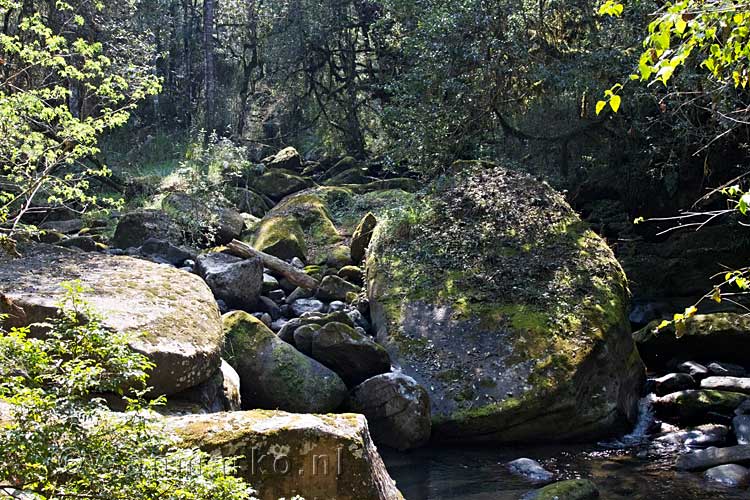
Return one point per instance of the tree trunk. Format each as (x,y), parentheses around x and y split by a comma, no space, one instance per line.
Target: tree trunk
(209,7)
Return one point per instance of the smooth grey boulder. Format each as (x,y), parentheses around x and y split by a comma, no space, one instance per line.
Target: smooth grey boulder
(741,426)
(302,306)
(673,382)
(711,457)
(531,470)
(162,249)
(701,436)
(170,315)
(397,409)
(334,288)
(734,384)
(135,228)
(238,282)
(303,338)
(695,370)
(729,475)
(273,374)
(355,357)
(726,370)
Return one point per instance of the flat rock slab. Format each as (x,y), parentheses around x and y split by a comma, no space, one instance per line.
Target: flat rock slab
(711,457)
(284,454)
(734,384)
(171,314)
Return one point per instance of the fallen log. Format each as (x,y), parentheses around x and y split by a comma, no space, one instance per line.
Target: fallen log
(294,275)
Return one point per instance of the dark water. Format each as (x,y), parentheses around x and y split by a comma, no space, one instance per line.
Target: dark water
(479,474)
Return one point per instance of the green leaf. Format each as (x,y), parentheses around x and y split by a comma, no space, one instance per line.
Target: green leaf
(600,106)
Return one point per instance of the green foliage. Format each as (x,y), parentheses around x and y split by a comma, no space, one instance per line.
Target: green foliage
(44,140)
(61,441)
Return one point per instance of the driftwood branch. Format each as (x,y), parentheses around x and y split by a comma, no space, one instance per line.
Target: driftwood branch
(290,272)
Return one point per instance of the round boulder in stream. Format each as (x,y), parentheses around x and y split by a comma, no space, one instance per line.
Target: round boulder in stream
(397,409)
(273,374)
(507,308)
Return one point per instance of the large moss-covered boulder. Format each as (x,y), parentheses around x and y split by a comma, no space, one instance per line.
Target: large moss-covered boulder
(171,314)
(724,336)
(273,374)
(309,211)
(282,237)
(497,299)
(283,455)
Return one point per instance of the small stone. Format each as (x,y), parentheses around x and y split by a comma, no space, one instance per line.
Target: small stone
(302,306)
(531,470)
(269,306)
(695,370)
(673,382)
(729,475)
(277,296)
(297,262)
(299,293)
(277,325)
(726,370)
(269,283)
(336,305)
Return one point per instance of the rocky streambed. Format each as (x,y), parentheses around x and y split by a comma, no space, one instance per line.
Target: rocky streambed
(479,310)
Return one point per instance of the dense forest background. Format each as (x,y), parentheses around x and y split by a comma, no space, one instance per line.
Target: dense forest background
(409,86)
(413,85)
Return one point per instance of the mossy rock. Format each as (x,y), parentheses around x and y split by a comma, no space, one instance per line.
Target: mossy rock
(279,183)
(318,232)
(362,236)
(573,489)
(282,237)
(170,315)
(355,175)
(287,158)
(336,288)
(695,405)
(344,164)
(708,337)
(248,201)
(273,374)
(493,295)
(283,454)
